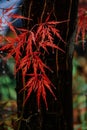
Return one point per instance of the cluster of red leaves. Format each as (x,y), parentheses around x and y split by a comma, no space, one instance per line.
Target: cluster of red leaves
(82,24)
(38,83)
(6,15)
(28,50)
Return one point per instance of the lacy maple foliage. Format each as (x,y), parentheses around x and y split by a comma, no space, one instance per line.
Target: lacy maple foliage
(29,46)
(6,15)
(26,47)
(82,24)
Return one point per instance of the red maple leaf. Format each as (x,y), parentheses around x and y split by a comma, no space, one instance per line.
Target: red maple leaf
(38,83)
(82,24)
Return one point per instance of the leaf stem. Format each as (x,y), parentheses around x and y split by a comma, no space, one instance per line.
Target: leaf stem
(43,11)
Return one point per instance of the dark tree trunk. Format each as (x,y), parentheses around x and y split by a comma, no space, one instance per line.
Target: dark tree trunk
(59,116)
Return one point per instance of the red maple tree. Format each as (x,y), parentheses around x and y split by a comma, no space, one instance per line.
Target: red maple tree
(29,46)
(34,43)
